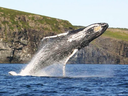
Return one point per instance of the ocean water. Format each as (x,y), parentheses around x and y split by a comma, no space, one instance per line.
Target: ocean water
(80,80)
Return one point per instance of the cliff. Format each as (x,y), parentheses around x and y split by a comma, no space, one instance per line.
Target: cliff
(21,32)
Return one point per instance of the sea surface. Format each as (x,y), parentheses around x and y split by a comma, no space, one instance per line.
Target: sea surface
(80,80)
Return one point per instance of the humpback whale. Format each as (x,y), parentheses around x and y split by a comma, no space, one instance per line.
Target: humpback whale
(60,48)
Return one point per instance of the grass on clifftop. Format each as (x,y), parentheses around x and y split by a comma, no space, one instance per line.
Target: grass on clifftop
(18,17)
(117,33)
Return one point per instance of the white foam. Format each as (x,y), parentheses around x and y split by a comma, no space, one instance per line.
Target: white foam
(34,61)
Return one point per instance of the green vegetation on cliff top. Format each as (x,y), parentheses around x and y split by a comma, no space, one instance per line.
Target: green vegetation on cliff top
(18,17)
(117,33)
(12,14)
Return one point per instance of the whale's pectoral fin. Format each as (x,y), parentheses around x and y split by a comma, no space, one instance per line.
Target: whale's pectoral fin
(74,51)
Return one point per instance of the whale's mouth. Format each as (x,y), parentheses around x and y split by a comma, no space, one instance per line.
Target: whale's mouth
(105,26)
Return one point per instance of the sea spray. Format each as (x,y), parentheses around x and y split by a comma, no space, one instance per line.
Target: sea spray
(52,70)
(34,67)
(32,64)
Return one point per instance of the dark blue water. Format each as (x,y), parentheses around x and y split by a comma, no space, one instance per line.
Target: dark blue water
(80,80)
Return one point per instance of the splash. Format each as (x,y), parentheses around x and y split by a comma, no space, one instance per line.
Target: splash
(34,68)
(33,63)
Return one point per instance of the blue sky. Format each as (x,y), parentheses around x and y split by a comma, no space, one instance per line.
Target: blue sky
(78,12)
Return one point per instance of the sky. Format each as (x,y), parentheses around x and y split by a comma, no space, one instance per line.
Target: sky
(77,12)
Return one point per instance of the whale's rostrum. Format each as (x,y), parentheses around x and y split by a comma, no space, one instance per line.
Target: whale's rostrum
(60,48)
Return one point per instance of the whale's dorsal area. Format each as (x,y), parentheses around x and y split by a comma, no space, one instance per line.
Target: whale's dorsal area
(48,39)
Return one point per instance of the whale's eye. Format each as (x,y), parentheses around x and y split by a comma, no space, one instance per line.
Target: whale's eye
(97,28)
